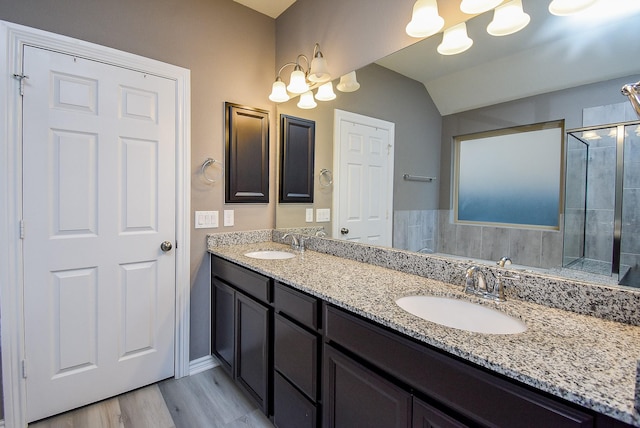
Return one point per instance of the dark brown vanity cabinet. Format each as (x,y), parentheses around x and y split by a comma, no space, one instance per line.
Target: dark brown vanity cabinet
(241,333)
(464,394)
(296,359)
(308,363)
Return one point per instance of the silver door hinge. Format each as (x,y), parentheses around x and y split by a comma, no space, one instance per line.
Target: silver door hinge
(21,229)
(20,78)
(24,369)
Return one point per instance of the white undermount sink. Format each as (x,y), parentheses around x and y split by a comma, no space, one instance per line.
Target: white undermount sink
(270,255)
(461,314)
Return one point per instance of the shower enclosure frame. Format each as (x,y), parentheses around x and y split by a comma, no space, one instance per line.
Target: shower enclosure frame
(619,182)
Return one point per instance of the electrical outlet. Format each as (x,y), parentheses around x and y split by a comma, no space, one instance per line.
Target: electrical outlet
(228,218)
(309,215)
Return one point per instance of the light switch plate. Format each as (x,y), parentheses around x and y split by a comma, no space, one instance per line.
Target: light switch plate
(323,215)
(228,217)
(309,215)
(206,219)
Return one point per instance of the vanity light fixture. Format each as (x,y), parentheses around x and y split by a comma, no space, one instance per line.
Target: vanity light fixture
(455,40)
(569,7)
(425,20)
(303,80)
(325,92)
(508,19)
(348,83)
(306,101)
(474,7)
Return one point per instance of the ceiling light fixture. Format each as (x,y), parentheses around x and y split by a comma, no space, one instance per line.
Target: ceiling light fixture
(303,80)
(508,19)
(474,7)
(425,20)
(455,40)
(569,7)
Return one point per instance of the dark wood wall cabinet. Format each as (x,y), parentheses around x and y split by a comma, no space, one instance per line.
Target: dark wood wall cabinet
(297,148)
(246,154)
(314,364)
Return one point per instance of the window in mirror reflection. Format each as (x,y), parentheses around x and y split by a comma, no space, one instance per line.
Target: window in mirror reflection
(510,176)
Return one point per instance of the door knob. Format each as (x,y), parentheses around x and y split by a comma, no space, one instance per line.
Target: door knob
(166,246)
(344,230)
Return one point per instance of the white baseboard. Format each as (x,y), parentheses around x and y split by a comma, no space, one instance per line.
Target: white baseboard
(201,364)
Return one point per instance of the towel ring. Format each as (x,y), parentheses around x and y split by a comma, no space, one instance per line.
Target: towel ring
(203,168)
(328,177)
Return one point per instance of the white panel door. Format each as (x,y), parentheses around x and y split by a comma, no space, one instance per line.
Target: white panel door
(364,210)
(98,201)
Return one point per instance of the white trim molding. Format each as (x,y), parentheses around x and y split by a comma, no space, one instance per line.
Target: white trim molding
(202,364)
(13,38)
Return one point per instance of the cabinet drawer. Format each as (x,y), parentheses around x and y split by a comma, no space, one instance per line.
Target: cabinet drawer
(473,392)
(355,396)
(296,305)
(296,355)
(290,408)
(251,283)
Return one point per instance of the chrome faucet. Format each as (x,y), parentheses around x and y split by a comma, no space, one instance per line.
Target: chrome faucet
(476,283)
(296,243)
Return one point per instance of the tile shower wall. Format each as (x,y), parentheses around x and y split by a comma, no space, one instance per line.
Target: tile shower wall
(415,230)
(433,231)
(535,248)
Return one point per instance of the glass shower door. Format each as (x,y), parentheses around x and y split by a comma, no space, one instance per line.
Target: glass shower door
(630,218)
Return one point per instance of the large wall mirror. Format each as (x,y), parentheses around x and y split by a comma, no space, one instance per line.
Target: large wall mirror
(556,69)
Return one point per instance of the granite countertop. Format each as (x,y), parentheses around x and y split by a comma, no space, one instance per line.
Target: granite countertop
(583,359)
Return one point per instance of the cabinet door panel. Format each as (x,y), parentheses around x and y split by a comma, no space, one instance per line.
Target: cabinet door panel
(223,323)
(426,416)
(354,396)
(290,408)
(252,355)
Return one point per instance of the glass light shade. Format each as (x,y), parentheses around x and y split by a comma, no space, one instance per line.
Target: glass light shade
(425,20)
(297,82)
(455,40)
(279,92)
(319,72)
(474,7)
(348,83)
(569,7)
(306,101)
(508,19)
(325,92)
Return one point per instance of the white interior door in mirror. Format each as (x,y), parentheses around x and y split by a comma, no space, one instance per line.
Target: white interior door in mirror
(364,162)
(98,200)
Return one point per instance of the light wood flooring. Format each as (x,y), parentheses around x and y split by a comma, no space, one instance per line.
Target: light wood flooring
(205,400)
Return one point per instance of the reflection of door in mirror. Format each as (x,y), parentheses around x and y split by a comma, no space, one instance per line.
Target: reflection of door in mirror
(364,177)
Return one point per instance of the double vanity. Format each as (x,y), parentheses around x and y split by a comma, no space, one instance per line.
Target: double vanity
(337,335)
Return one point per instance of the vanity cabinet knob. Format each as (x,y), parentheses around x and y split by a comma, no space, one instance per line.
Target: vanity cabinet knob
(344,230)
